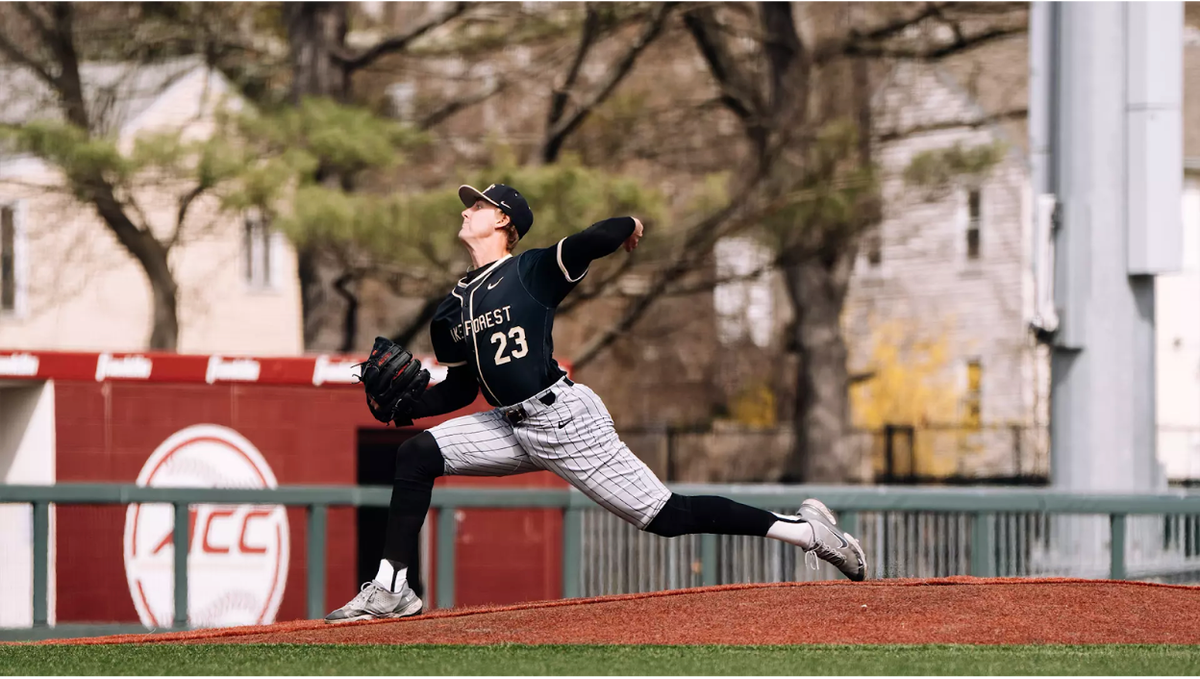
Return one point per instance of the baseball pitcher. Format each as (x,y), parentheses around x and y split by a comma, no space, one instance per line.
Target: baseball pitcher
(494,332)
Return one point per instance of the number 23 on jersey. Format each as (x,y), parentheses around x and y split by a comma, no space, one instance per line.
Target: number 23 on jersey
(519,349)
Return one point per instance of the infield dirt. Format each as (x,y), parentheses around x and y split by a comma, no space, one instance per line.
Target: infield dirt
(958,610)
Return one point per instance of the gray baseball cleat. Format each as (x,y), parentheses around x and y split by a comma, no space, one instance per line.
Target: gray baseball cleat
(830,543)
(375,603)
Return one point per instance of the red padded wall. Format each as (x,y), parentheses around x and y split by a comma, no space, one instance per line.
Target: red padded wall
(105,432)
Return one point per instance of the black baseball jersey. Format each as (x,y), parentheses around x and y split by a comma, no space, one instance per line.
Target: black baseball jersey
(499,322)
(495,329)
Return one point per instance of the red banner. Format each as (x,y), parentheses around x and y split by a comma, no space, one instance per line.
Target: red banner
(319,371)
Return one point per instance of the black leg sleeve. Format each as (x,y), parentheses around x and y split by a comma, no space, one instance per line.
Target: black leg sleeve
(689,514)
(418,463)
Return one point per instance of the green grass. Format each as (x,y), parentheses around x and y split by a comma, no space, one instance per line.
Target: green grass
(271,659)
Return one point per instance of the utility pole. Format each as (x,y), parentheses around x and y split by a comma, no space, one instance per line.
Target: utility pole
(1106,141)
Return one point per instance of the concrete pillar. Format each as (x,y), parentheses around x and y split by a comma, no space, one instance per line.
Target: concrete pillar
(1107,142)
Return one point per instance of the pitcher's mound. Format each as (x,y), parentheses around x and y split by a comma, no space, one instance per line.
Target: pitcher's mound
(956,610)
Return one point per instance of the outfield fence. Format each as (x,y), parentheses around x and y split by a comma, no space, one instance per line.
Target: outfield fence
(907,532)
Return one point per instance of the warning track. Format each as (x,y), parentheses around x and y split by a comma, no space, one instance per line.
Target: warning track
(954,610)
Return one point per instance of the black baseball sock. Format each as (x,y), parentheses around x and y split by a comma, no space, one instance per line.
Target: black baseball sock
(418,463)
(688,514)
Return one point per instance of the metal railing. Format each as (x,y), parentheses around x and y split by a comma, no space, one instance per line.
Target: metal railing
(902,543)
(316,500)
(978,519)
(943,453)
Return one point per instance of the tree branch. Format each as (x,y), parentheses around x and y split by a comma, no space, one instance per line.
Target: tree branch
(350,320)
(749,206)
(896,26)
(559,132)
(1011,114)
(954,25)
(598,289)
(425,247)
(185,202)
(963,44)
(397,43)
(755,198)
(136,208)
(587,38)
(400,272)
(16,56)
(866,44)
(785,54)
(68,84)
(737,91)
(456,105)
(641,304)
(709,284)
(681,289)
(39,23)
(838,47)
(404,335)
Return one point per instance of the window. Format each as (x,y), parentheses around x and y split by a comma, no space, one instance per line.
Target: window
(874,247)
(974,404)
(258,256)
(742,298)
(974,222)
(402,100)
(8,260)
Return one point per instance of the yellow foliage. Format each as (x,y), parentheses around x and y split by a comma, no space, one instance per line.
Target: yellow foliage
(754,406)
(912,384)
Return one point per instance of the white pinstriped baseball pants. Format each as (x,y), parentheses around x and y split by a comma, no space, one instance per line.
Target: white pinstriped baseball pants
(572,437)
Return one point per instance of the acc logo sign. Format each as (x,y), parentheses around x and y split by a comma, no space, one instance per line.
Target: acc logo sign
(238,554)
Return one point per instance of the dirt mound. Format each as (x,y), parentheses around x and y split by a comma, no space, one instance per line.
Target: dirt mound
(949,610)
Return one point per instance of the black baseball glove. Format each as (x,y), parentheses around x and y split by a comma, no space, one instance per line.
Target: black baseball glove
(394,381)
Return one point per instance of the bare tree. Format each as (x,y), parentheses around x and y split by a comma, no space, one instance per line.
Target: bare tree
(42,39)
(570,105)
(802,99)
(626,30)
(323,65)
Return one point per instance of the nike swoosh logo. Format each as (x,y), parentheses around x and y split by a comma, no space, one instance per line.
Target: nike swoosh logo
(496,283)
(564,422)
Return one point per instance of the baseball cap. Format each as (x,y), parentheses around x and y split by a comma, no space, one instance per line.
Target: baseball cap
(509,200)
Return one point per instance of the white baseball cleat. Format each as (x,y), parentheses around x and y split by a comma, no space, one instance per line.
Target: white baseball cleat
(830,543)
(374,603)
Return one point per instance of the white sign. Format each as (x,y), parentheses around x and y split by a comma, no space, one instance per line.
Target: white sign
(238,554)
(234,370)
(340,372)
(129,367)
(24,365)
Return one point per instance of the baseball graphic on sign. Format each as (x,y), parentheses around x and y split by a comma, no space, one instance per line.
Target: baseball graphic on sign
(238,554)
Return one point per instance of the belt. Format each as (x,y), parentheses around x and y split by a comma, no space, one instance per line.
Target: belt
(518,415)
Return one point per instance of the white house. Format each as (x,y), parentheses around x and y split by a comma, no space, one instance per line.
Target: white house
(958,268)
(67,283)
